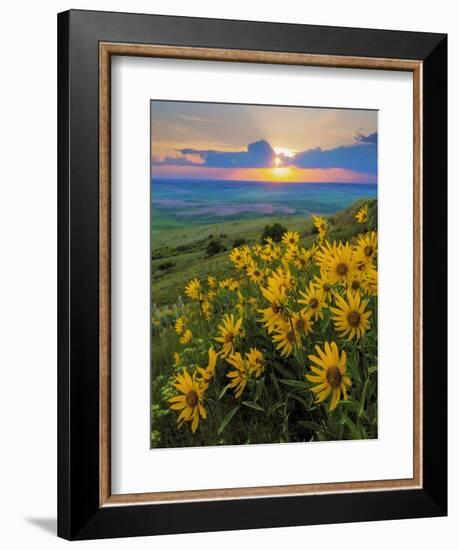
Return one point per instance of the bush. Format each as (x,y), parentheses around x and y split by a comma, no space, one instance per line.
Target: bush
(275,232)
(166,265)
(184,247)
(214,247)
(239,242)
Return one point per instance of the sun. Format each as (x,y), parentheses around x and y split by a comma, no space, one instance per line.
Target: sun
(280,172)
(277,161)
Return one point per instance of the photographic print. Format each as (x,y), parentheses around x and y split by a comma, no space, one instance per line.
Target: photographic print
(264,252)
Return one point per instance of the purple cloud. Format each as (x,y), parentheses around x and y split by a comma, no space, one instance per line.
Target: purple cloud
(361,156)
(258,155)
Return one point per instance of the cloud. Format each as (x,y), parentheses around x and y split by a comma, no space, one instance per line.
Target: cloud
(360,157)
(370,138)
(174,161)
(259,154)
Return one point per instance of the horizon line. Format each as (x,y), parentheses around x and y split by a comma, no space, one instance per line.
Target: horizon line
(270,182)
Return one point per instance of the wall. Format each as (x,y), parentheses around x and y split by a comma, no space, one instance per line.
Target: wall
(28,269)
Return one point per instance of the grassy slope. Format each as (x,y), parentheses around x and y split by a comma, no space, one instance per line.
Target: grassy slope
(185,248)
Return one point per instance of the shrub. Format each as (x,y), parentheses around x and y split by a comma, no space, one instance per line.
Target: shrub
(166,265)
(214,247)
(239,242)
(274,231)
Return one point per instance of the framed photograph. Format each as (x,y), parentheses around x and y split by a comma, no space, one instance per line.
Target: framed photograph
(252,275)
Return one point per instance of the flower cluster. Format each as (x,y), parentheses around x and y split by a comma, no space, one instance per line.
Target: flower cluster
(293,319)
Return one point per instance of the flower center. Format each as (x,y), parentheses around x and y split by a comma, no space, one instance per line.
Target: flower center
(341,269)
(314,303)
(229,337)
(275,308)
(290,336)
(355,285)
(353,318)
(368,250)
(191,398)
(300,324)
(334,377)
(326,287)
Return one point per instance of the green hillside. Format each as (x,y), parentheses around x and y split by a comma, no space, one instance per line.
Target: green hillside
(180,254)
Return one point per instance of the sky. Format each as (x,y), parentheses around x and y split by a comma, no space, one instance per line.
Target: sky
(218,141)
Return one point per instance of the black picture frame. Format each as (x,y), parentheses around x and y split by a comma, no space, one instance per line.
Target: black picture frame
(80,515)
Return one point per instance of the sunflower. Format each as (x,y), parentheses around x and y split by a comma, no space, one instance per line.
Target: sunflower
(355,282)
(239,376)
(321,225)
(290,237)
(277,297)
(322,283)
(362,214)
(370,281)
(303,259)
(180,325)
(209,372)
(366,249)
(301,322)
(211,281)
(314,300)
(255,273)
(350,317)
(238,258)
(193,289)
(177,359)
(186,337)
(338,262)
(229,283)
(270,250)
(190,402)
(206,309)
(282,278)
(329,376)
(257,249)
(255,361)
(229,330)
(291,254)
(286,338)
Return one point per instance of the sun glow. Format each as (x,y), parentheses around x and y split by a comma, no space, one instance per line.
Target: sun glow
(284,151)
(279,173)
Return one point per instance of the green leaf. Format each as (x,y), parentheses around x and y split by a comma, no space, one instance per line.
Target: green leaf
(275,382)
(349,404)
(286,373)
(362,397)
(222,393)
(274,407)
(227,419)
(300,400)
(260,388)
(373,369)
(297,384)
(352,427)
(253,405)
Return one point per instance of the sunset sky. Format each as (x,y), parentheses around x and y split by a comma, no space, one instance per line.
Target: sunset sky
(259,143)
